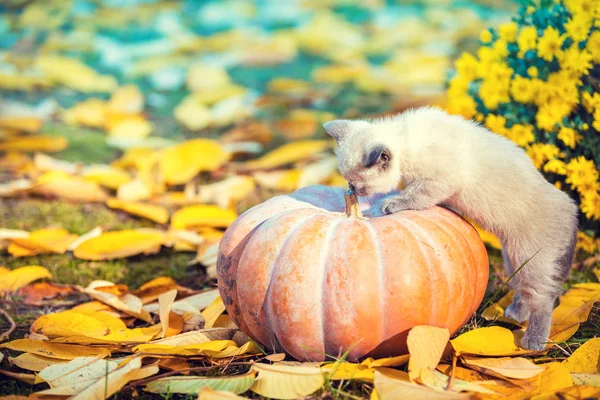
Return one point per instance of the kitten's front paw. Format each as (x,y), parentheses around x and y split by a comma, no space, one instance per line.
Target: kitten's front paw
(517,311)
(533,342)
(393,205)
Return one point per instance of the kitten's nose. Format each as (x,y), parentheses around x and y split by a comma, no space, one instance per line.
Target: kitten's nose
(351,186)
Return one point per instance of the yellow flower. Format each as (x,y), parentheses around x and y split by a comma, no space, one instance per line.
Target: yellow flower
(556,166)
(593,46)
(569,136)
(578,27)
(523,90)
(550,44)
(462,105)
(586,243)
(586,7)
(596,123)
(530,10)
(499,72)
(581,173)
(508,31)
(532,72)
(577,62)
(522,135)
(590,204)
(485,36)
(458,86)
(492,94)
(542,152)
(527,40)
(591,102)
(466,66)
(558,185)
(496,123)
(550,114)
(500,48)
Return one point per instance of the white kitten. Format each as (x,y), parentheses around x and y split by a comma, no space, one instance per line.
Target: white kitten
(447,160)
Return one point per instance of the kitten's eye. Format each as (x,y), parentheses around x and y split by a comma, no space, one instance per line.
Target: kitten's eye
(385,156)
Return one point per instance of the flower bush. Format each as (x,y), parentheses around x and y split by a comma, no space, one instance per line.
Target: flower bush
(536,81)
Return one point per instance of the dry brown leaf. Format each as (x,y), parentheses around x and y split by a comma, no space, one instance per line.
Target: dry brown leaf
(120,244)
(36,293)
(150,211)
(23,276)
(26,378)
(426,345)
(55,350)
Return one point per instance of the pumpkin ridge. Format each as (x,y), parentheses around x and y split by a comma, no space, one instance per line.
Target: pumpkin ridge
(447,217)
(325,269)
(448,273)
(414,226)
(380,274)
(273,266)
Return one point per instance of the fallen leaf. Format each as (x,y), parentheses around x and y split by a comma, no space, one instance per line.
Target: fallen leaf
(280,381)
(43,241)
(392,384)
(97,231)
(212,312)
(55,350)
(127,99)
(26,378)
(106,175)
(43,143)
(15,187)
(495,312)
(586,359)
(13,234)
(151,290)
(44,162)
(438,381)
(68,323)
(198,337)
(188,218)
(112,322)
(36,293)
(149,211)
(127,303)
(165,302)
(192,304)
(288,153)
(27,124)
(120,244)
(180,163)
(128,126)
(397,361)
(192,384)
(225,193)
(347,371)
(426,345)
(293,179)
(586,379)
(504,367)
(574,392)
(574,308)
(206,393)
(91,112)
(555,376)
(23,276)
(34,362)
(198,349)
(489,341)
(74,74)
(57,184)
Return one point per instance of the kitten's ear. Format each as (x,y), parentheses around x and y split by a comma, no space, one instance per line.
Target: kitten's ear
(337,128)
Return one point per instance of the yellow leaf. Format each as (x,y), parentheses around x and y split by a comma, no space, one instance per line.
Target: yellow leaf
(555,376)
(150,211)
(34,362)
(387,362)
(426,345)
(206,393)
(119,244)
(346,371)
(232,351)
(192,384)
(489,341)
(180,163)
(127,303)
(23,276)
(586,359)
(114,324)
(68,323)
(225,193)
(574,308)
(52,240)
(127,99)
(574,392)
(280,381)
(28,124)
(495,312)
(105,175)
(44,162)
(165,302)
(91,112)
(293,179)
(63,186)
(504,367)
(15,187)
(74,74)
(586,379)
(150,290)
(392,385)
(188,218)
(438,381)
(289,153)
(212,312)
(198,337)
(191,304)
(55,350)
(97,231)
(130,126)
(184,350)
(44,143)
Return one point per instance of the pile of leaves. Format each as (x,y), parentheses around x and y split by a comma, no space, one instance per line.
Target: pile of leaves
(168,339)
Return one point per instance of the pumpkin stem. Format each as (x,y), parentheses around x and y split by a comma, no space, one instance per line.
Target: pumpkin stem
(352,208)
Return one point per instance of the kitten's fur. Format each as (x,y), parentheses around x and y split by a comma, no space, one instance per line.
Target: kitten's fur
(448,160)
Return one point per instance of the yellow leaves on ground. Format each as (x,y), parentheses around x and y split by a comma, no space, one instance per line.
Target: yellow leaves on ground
(60,351)
(27,124)
(204,215)
(212,312)
(105,175)
(225,193)
(289,153)
(125,302)
(68,323)
(392,384)
(215,348)
(192,384)
(11,281)
(74,74)
(586,359)
(180,163)
(426,345)
(281,381)
(43,241)
(34,362)
(46,143)
(510,367)
(150,211)
(119,244)
(206,393)
(62,185)
(490,341)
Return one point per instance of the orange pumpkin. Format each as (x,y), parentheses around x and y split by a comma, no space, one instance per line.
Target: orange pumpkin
(299,274)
